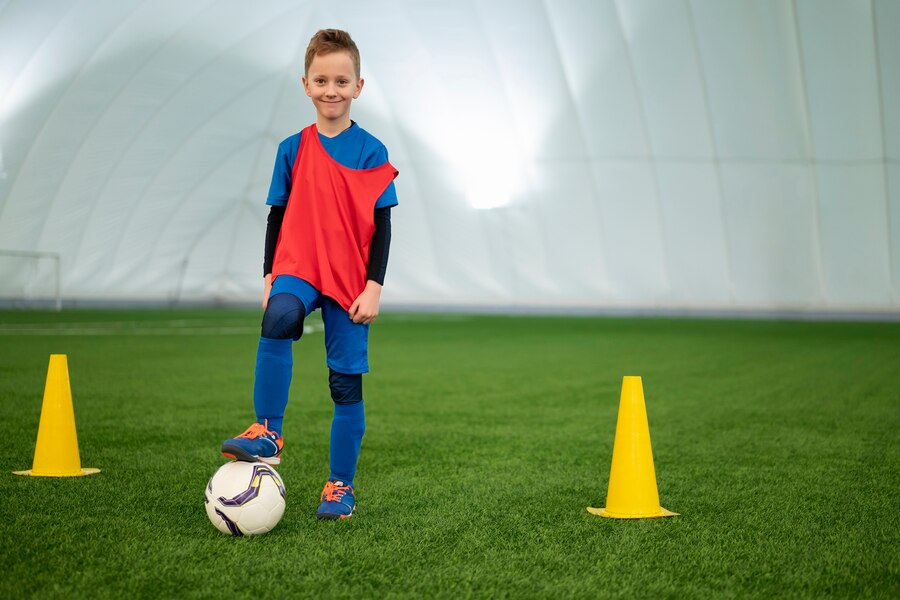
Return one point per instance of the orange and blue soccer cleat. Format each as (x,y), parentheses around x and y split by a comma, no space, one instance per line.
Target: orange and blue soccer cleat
(338,501)
(257,444)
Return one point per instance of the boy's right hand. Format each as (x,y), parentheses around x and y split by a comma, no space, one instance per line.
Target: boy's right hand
(267,290)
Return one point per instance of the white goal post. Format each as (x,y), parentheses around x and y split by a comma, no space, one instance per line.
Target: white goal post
(30,278)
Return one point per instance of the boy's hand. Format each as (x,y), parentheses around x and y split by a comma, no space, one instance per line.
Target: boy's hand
(365,308)
(267,290)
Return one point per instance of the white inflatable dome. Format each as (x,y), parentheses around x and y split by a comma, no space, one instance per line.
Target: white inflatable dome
(698,155)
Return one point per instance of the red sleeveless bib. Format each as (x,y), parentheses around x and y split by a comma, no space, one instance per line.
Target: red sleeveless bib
(329,221)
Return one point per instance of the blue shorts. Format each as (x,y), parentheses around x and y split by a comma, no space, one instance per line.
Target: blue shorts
(346,342)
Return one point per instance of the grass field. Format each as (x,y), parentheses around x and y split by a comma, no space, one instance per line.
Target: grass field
(487,438)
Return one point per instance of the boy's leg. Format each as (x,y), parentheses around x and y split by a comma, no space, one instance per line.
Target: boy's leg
(347,426)
(338,500)
(282,325)
(346,345)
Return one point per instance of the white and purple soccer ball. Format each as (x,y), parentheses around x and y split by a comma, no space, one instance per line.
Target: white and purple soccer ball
(245,498)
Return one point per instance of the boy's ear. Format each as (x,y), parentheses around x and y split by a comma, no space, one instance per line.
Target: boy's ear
(359,86)
(305,85)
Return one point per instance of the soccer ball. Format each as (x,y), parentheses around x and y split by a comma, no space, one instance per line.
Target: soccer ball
(245,498)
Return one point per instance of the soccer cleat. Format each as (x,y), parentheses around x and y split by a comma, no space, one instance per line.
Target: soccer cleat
(338,501)
(257,444)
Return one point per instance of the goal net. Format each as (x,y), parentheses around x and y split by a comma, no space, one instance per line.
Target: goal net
(30,279)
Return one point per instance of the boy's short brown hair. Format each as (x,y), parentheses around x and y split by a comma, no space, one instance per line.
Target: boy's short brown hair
(327,41)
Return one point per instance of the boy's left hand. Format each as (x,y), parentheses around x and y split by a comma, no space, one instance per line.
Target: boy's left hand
(365,308)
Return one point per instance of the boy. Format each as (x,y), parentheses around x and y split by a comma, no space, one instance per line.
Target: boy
(327,242)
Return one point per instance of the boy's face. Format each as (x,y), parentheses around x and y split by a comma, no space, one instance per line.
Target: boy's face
(332,84)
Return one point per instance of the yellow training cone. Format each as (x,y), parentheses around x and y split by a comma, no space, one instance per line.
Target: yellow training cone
(632,492)
(56,453)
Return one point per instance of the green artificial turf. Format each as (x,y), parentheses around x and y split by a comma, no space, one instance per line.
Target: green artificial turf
(487,437)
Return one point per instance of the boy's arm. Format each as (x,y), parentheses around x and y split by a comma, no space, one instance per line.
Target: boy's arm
(365,308)
(267,289)
(279,192)
(380,246)
(273,228)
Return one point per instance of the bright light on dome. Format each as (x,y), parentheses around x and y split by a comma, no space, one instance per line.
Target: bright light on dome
(491,176)
(482,152)
(489,184)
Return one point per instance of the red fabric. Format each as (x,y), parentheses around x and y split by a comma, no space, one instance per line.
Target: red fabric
(329,221)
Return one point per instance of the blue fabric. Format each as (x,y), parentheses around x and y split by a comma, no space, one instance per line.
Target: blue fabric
(283,319)
(355,148)
(274,366)
(347,429)
(346,342)
(345,389)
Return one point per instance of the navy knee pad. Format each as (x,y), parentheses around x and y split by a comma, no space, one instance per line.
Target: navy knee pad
(283,319)
(345,389)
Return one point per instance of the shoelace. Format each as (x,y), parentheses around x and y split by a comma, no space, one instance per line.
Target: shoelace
(256,430)
(334,493)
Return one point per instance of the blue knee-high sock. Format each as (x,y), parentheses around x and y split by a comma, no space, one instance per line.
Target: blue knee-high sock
(274,365)
(347,429)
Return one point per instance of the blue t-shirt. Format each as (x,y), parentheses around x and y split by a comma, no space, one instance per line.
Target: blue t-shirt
(354,147)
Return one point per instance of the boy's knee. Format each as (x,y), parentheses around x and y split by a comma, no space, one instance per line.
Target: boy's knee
(283,319)
(345,389)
